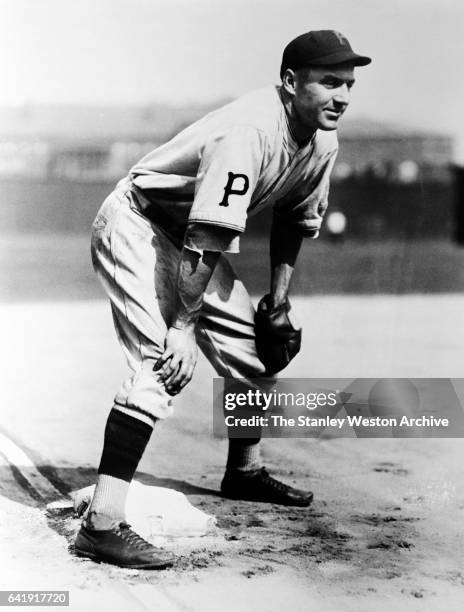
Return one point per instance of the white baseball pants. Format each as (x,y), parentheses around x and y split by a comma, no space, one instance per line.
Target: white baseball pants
(136,263)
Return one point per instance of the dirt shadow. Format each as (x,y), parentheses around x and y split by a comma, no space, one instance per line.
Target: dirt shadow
(67,479)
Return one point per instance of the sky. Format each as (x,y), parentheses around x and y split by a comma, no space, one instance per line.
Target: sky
(185,51)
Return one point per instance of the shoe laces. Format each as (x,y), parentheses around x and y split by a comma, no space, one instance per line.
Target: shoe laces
(276,484)
(132,538)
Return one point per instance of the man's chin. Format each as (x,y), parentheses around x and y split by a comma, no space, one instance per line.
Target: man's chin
(328,126)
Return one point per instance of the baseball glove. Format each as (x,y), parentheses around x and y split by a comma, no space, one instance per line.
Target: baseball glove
(277,340)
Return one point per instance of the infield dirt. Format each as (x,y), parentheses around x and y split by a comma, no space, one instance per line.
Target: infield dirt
(385,526)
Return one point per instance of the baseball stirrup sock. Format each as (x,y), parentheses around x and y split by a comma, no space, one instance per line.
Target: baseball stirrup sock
(108,507)
(244,454)
(125,440)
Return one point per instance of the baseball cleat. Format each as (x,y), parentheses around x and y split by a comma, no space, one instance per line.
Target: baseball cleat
(258,485)
(121,546)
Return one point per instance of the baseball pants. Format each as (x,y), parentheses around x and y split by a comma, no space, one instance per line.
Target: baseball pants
(136,262)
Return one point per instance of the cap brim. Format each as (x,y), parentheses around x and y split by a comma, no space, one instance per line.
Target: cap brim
(342,57)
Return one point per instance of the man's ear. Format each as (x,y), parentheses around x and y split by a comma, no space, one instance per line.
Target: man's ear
(289,81)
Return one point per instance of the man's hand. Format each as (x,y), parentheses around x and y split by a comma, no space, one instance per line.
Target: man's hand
(176,365)
(277,338)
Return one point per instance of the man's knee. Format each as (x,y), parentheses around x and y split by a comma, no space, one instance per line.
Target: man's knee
(142,393)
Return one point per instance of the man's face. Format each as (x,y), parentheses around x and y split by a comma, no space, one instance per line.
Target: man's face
(322,94)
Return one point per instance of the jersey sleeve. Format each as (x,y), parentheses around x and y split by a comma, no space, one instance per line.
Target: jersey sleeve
(201,237)
(309,200)
(227,176)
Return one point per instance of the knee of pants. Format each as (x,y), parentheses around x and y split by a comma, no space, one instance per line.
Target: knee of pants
(143,394)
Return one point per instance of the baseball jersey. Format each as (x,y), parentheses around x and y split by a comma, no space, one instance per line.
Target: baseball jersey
(232,163)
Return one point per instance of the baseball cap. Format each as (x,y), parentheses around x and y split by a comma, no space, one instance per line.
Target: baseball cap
(320,48)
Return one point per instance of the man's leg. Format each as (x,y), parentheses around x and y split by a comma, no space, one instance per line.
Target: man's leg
(132,262)
(226,336)
(124,444)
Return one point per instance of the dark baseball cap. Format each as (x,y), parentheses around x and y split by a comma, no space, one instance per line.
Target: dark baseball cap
(320,48)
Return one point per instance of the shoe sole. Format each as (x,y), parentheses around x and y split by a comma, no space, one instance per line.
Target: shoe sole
(102,559)
(302,504)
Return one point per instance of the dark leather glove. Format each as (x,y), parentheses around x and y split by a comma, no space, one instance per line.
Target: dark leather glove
(277,340)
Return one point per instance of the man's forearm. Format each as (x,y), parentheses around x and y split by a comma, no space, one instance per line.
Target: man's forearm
(285,246)
(194,272)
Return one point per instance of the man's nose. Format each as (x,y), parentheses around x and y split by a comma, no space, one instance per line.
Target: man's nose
(342,96)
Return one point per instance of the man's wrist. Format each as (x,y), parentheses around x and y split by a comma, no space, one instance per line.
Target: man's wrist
(187,326)
(276,300)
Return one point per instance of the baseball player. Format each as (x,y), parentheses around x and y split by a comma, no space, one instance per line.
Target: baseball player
(157,247)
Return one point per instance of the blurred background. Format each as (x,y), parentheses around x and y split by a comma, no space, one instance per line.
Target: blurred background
(89,87)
